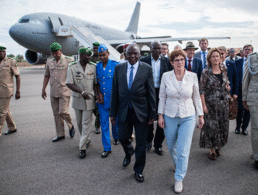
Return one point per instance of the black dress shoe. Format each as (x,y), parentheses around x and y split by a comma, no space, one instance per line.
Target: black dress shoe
(159,151)
(10,132)
(97,130)
(116,141)
(126,162)
(105,154)
(56,139)
(256,164)
(237,131)
(244,131)
(71,132)
(82,154)
(148,147)
(139,177)
(217,151)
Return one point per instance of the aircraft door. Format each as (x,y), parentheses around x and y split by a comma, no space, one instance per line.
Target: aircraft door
(56,23)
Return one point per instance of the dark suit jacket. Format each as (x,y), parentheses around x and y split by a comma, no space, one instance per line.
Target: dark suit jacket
(198,55)
(196,67)
(164,64)
(232,77)
(239,68)
(141,94)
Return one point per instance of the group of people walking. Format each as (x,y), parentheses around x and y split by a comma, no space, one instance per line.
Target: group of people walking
(175,89)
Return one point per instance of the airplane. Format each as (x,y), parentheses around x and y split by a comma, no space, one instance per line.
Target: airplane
(37,31)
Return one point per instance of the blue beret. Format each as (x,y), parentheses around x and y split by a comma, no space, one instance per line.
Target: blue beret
(102,48)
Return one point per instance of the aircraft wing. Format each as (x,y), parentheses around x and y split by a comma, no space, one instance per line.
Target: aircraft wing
(148,40)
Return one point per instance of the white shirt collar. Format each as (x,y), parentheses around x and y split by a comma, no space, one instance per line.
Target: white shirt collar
(136,64)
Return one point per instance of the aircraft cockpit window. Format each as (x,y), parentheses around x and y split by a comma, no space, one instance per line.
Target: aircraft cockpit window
(24,20)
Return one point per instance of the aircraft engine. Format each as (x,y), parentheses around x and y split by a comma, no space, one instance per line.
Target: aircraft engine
(119,48)
(35,58)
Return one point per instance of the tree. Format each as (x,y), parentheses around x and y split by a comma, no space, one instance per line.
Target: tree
(19,58)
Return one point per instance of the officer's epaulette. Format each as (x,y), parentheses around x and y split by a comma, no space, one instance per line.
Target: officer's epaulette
(12,58)
(69,58)
(92,63)
(51,57)
(72,63)
(114,61)
(255,53)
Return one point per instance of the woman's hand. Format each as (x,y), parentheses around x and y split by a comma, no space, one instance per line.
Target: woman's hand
(228,88)
(205,110)
(161,121)
(201,122)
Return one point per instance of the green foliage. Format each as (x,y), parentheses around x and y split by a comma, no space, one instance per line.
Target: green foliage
(11,56)
(19,58)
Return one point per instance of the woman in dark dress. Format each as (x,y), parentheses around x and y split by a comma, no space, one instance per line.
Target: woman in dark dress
(214,94)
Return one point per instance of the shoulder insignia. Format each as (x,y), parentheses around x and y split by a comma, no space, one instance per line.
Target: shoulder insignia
(115,61)
(92,63)
(51,57)
(72,63)
(255,53)
(69,58)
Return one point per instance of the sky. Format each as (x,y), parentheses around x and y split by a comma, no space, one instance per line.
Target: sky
(237,19)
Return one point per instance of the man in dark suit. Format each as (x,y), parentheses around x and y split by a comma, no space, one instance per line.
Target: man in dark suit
(202,55)
(133,102)
(159,65)
(243,115)
(191,63)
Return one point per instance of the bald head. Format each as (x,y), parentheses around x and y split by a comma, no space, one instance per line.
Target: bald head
(132,53)
(155,49)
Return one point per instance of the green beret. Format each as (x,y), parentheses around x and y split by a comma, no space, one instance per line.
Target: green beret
(2,48)
(96,44)
(55,47)
(85,50)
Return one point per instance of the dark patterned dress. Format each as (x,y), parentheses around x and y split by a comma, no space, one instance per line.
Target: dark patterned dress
(214,133)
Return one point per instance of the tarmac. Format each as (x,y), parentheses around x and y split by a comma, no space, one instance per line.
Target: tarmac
(30,163)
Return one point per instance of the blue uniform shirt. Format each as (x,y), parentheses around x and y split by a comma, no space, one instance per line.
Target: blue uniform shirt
(105,78)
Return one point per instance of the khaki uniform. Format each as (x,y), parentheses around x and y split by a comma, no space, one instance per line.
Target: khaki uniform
(59,92)
(83,108)
(8,69)
(250,95)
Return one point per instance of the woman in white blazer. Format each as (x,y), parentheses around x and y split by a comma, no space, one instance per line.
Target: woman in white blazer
(179,104)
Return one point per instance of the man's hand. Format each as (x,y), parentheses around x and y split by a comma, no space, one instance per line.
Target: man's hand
(86,95)
(44,94)
(113,120)
(235,97)
(100,98)
(161,121)
(17,95)
(150,121)
(245,105)
(205,110)
(201,122)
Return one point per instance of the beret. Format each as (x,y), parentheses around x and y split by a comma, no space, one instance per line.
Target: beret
(2,48)
(85,50)
(102,48)
(96,44)
(55,47)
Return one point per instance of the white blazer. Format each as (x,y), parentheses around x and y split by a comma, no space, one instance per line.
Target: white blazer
(184,99)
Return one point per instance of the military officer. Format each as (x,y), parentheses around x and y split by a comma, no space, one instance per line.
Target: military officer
(8,69)
(105,71)
(82,80)
(95,59)
(250,99)
(56,72)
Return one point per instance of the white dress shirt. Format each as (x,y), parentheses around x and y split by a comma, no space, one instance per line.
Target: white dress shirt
(179,100)
(136,65)
(156,71)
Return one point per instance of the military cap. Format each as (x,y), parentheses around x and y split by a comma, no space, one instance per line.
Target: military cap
(96,44)
(190,45)
(2,48)
(85,50)
(55,47)
(102,48)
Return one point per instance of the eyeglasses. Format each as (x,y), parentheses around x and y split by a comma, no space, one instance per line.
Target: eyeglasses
(179,60)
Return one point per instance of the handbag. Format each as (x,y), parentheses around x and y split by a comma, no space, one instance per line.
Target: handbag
(231,102)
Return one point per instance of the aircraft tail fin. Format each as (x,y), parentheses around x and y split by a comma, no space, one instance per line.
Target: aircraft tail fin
(133,25)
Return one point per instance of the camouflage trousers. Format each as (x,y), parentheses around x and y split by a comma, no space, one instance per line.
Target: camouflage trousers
(97,120)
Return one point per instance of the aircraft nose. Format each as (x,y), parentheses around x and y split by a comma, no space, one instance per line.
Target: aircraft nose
(14,32)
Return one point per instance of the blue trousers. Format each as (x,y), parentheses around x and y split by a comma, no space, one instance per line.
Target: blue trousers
(104,121)
(179,133)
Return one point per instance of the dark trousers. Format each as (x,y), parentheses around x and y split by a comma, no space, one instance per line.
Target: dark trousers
(159,136)
(243,118)
(125,130)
